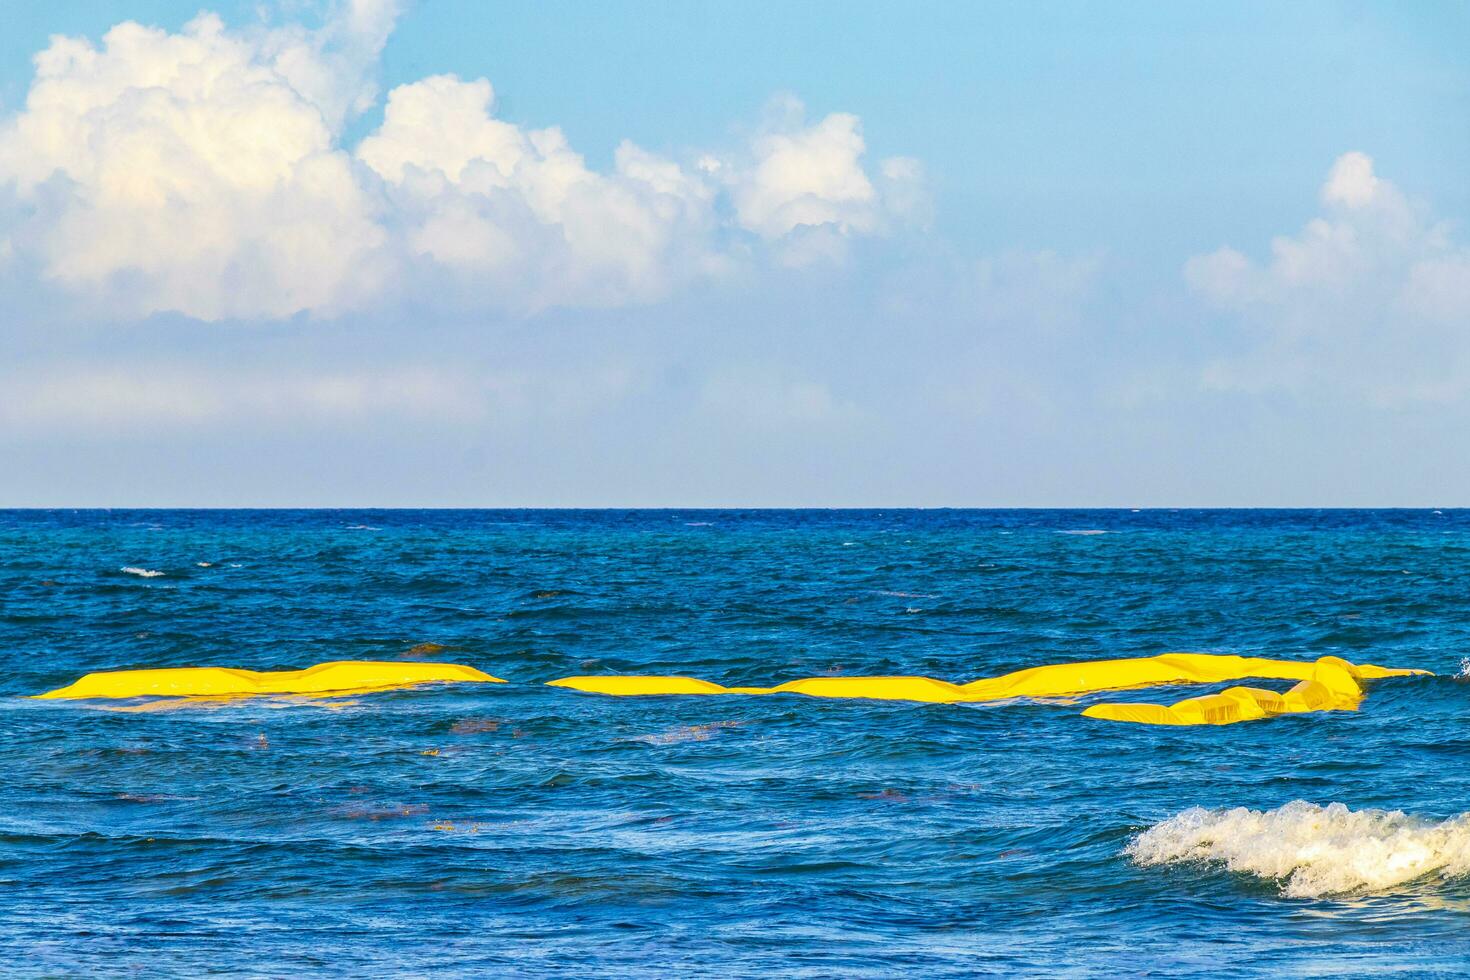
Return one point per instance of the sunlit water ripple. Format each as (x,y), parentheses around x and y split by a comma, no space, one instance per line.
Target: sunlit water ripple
(524,829)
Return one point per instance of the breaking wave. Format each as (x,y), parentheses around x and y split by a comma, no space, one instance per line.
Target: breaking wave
(141,572)
(1313,850)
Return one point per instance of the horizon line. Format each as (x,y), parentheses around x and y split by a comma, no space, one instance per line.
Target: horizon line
(733,507)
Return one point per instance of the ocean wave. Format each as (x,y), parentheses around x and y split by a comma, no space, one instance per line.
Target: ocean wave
(1313,850)
(141,572)
(1085,530)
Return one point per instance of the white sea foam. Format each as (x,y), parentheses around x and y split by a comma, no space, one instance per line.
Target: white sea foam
(1313,850)
(1089,530)
(1464,667)
(141,572)
(205,564)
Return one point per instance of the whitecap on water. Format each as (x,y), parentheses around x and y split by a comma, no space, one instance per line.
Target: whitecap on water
(1089,530)
(1313,850)
(141,572)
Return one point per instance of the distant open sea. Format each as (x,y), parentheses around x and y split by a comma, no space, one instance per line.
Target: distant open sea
(522,830)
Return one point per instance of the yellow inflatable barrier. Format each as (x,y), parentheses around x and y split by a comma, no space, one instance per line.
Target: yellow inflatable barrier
(340,677)
(874,688)
(1055,680)
(1332,686)
(1329,684)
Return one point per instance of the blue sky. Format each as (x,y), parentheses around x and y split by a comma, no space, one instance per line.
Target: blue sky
(848,253)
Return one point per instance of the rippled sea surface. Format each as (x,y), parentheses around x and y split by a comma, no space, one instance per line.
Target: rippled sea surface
(522,829)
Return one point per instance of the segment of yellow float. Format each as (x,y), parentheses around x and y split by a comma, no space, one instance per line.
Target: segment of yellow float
(1055,680)
(331,679)
(1332,686)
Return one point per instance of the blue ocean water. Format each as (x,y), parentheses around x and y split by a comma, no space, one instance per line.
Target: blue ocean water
(522,829)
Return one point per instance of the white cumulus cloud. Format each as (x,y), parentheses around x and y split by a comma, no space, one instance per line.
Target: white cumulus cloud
(205,172)
(186,172)
(806,186)
(1371,299)
(522,209)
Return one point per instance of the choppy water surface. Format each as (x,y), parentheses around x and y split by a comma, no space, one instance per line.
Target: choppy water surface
(524,829)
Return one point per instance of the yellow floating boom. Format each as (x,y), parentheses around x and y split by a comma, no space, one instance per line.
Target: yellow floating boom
(340,677)
(1332,686)
(1055,680)
(1329,684)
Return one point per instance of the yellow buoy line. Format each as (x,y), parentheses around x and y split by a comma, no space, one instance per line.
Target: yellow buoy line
(339,678)
(1328,684)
